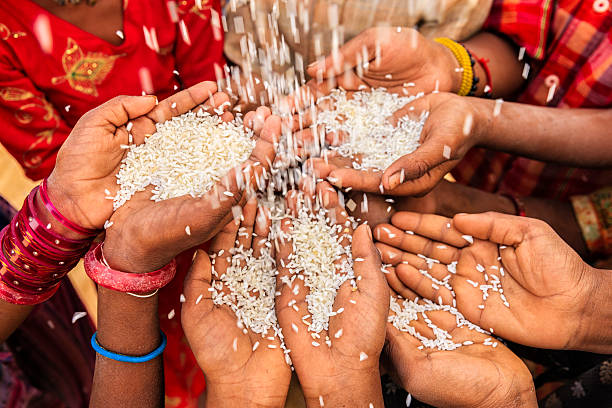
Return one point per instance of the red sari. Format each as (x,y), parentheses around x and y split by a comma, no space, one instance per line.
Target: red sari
(52,72)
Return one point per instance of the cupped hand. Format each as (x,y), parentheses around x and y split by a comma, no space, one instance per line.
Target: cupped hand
(238,374)
(384,57)
(345,371)
(537,288)
(473,376)
(145,235)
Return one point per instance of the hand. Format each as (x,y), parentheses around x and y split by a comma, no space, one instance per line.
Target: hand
(471,376)
(243,377)
(445,139)
(146,235)
(392,59)
(326,371)
(546,285)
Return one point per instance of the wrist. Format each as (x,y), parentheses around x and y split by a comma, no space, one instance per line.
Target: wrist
(65,204)
(347,389)
(482,112)
(594,330)
(237,394)
(451,73)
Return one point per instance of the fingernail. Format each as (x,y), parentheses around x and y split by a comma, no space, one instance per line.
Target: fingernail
(335,181)
(369,231)
(312,65)
(153,96)
(461,214)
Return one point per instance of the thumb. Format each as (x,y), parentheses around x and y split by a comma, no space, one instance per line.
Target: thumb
(499,228)
(367,263)
(199,277)
(119,110)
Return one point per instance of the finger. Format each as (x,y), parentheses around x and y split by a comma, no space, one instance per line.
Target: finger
(502,229)
(347,56)
(367,265)
(198,280)
(424,284)
(415,244)
(327,196)
(320,167)
(182,102)
(119,110)
(272,129)
(263,223)
(431,226)
(367,181)
(390,254)
(247,222)
(420,186)
(397,285)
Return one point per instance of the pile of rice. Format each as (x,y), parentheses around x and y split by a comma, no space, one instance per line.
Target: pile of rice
(321,262)
(186,156)
(364,119)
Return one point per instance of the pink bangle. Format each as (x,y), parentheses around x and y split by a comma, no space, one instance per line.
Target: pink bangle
(57,215)
(124,281)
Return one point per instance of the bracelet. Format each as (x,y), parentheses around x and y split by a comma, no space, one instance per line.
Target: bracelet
(465,62)
(475,79)
(125,358)
(33,258)
(139,283)
(519,206)
(484,63)
(58,216)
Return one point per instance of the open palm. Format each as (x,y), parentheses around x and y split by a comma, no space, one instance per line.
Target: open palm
(472,376)
(539,279)
(90,158)
(355,334)
(255,371)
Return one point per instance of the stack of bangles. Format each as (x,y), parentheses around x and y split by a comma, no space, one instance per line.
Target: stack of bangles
(34,258)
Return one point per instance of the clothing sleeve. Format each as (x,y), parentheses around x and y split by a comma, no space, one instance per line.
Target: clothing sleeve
(32,129)
(594,215)
(526,22)
(199,45)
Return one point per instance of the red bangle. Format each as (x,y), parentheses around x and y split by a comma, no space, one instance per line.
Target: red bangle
(120,281)
(58,216)
(519,206)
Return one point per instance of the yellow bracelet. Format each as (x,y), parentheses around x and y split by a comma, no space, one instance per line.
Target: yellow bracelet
(462,56)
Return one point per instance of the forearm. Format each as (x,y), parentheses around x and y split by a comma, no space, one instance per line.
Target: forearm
(572,137)
(127,325)
(595,328)
(506,70)
(11,317)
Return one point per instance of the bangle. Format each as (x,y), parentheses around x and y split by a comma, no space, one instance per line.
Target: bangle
(484,63)
(519,206)
(465,62)
(33,258)
(139,283)
(58,216)
(128,359)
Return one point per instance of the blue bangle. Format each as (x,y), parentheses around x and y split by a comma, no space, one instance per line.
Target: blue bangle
(128,359)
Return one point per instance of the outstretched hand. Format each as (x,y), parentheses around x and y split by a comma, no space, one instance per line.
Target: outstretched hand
(517,278)
(241,369)
(349,361)
(475,375)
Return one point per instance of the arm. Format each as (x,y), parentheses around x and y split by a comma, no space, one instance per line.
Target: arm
(127,325)
(595,331)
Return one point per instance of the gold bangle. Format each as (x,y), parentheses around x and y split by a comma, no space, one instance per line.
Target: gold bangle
(462,56)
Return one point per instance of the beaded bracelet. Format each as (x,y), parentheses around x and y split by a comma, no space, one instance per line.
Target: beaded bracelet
(465,62)
(139,283)
(125,358)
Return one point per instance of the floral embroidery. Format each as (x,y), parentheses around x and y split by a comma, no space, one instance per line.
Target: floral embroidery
(205,5)
(6,33)
(84,70)
(31,157)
